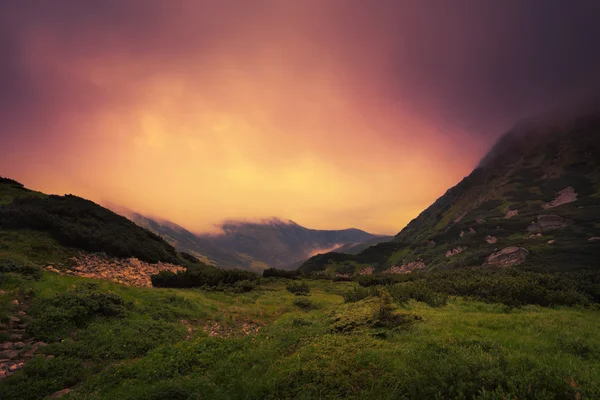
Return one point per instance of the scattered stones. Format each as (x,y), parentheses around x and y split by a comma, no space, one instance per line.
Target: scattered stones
(565,196)
(508,256)
(405,268)
(511,213)
(534,236)
(366,271)
(60,393)
(547,223)
(491,239)
(130,271)
(455,251)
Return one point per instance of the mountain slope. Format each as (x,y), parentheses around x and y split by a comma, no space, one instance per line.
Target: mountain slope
(536,195)
(75,223)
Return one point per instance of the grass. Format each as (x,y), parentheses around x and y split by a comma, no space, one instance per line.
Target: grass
(462,350)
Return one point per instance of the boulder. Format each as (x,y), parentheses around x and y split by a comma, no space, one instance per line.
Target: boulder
(508,256)
(547,223)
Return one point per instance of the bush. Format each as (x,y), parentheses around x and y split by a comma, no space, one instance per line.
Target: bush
(299,289)
(281,273)
(304,304)
(55,316)
(204,275)
(21,267)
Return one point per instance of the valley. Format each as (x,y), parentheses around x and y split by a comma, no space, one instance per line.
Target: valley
(493,292)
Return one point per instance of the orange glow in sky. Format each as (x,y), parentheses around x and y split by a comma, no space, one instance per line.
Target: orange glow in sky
(323,112)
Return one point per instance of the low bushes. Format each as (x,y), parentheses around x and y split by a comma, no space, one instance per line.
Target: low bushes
(304,303)
(206,276)
(299,289)
(56,315)
(22,267)
(281,273)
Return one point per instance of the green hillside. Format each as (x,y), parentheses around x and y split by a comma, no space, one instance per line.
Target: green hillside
(64,224)
(534,200)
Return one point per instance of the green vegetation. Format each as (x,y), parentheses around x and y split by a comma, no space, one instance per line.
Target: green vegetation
(113,341)
(298,288)
(80,223)
(201,275)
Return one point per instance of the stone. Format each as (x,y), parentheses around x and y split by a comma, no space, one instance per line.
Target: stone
(491,239)
(406,268)
(60,393)
(547,223)
(508,256)
(21,313)
(15,302)
(19,345)
(6,346)
(9,354)
(15,320)
(594,239)
(565,196)
(455,251)
(551,241)
(511,213)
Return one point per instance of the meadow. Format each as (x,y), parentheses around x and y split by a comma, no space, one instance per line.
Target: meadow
(110,341)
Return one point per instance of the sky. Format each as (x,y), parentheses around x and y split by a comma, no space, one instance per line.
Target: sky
(331,113)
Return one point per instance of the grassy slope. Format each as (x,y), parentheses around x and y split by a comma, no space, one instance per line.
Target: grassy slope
(453,352)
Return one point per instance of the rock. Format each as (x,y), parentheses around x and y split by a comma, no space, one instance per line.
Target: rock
(565,196)
(366,271)
(547,223)
(19,345)
(594,239)
(9,354)
(39,344)
(455,251)
(405,268)
(16,337)
(60,393)
(511,213)
(15,302)
(21,313)
(15,320)
(491,239)
(551,241)
(6,346)
(508,256)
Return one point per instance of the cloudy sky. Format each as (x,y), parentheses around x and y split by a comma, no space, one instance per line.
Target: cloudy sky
(332,113)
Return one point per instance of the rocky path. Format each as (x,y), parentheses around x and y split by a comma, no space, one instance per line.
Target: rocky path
(19,348)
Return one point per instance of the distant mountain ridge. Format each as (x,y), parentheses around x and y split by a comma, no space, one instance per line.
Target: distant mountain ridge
(533,201)
(254,245)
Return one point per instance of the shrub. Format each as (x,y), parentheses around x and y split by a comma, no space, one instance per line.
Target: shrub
(21,267)
(299,289)
(55,316)
(304,304)
(204,275)
(281,273)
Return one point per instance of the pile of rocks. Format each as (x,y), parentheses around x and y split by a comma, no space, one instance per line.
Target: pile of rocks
(366,271)
(406,268)
(455,251)
(15,352)
(565,196)
(508,256)
(511,213)
(128,271)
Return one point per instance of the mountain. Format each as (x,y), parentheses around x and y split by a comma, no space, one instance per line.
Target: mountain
(533,201)
(254,245)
